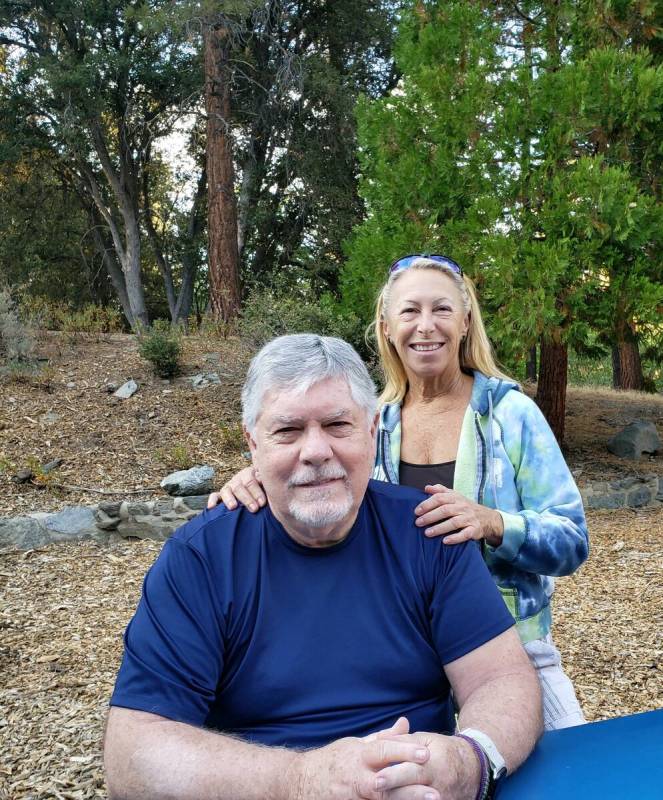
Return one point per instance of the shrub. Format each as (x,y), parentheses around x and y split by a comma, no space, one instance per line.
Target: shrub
(268,313)
(57,316)
(16,340)
(176,457)
(231,438)
(161,345)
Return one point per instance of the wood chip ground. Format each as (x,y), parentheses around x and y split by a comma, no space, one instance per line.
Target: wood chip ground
(63,608)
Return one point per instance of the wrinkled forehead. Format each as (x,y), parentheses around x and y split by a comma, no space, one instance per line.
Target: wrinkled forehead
(330,398)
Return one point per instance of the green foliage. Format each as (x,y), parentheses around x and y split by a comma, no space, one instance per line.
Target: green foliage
(161,345)
(176,457)
(531,152)
(231,438)
(58,316)
(276,312)
(16,340)
(427,171)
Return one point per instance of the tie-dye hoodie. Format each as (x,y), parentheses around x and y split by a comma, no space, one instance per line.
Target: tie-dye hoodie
(508,459)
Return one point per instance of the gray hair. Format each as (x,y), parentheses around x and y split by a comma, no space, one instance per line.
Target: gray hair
(297,362)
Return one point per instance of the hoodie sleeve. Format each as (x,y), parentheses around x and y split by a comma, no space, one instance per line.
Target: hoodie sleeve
(548,536)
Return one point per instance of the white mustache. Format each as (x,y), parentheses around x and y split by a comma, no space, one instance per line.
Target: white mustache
(312,475)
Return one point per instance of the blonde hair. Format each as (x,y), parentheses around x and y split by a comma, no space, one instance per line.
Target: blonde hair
(476,352)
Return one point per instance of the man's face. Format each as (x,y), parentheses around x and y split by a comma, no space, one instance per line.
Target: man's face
(314,453)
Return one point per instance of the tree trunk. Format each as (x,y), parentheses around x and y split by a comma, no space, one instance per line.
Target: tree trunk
(223,254)
(616,368)
(551,389)
(530,368)
(132,272)
(113,269)
(626,357)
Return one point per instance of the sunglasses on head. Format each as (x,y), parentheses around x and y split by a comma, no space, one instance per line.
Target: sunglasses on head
(407,261)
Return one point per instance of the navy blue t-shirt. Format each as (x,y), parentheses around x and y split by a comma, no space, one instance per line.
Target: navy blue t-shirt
(245,631)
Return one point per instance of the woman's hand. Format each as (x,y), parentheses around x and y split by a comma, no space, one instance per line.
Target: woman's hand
(243,489)
(449,514)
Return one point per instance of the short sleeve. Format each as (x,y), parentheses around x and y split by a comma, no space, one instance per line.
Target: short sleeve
(467,609)
(174,644)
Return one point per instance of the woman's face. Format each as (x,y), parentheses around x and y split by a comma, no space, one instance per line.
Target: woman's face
(426,322)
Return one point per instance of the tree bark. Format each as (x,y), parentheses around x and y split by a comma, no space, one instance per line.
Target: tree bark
(626,366)
(530,368)
(223,254)
(124,189)
(551,389)
(108,256)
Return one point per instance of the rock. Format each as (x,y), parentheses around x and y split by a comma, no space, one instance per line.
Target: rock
(23,476)
(609,501)
(197,502)
(642,496)
(52,465)
(126,390)
(105,522)
(204,379)
(23,533)
(634,440)
(151,528)
(111,387)
(185,482)
(49,418)
(112,509)
(71,385)
(76,522)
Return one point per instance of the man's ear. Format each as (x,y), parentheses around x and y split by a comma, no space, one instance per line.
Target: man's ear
(249,439)
(374,425)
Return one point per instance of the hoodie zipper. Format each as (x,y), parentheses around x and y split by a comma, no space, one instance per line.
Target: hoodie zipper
(482,441)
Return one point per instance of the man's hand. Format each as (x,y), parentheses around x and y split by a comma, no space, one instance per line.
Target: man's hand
(450,514)
(243,488)
(348,768)
(452,772)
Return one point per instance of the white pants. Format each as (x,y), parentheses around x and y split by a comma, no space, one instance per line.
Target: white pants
(561,708)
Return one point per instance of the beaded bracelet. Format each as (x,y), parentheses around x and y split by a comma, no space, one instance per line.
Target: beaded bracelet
(483,764)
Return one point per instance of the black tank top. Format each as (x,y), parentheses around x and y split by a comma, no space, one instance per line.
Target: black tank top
(419,475)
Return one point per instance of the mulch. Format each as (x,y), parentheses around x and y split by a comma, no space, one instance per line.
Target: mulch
(63,608)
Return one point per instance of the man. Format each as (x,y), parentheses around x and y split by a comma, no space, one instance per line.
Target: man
(327,621)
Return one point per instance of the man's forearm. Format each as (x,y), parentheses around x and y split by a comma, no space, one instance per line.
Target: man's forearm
(149,757)
(508,709)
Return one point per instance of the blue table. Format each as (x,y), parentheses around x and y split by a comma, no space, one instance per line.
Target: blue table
(617,759)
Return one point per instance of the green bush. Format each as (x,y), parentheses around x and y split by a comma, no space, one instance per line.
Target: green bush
(16,340)
(161,345)
(268,313)
(57,316)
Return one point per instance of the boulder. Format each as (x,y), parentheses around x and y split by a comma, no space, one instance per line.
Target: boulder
(634,440)
(204,379)
(185,482)
(126,390)
(24,533)
(75,522)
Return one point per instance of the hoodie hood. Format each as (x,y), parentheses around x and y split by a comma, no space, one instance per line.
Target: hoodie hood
(488,392)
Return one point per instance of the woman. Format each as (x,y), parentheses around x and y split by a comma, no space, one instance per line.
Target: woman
(450,418)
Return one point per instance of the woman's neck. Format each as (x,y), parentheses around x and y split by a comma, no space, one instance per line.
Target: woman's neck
(446,388)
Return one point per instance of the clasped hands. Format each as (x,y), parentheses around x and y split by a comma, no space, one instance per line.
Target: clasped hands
(446,513)
(390,765)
